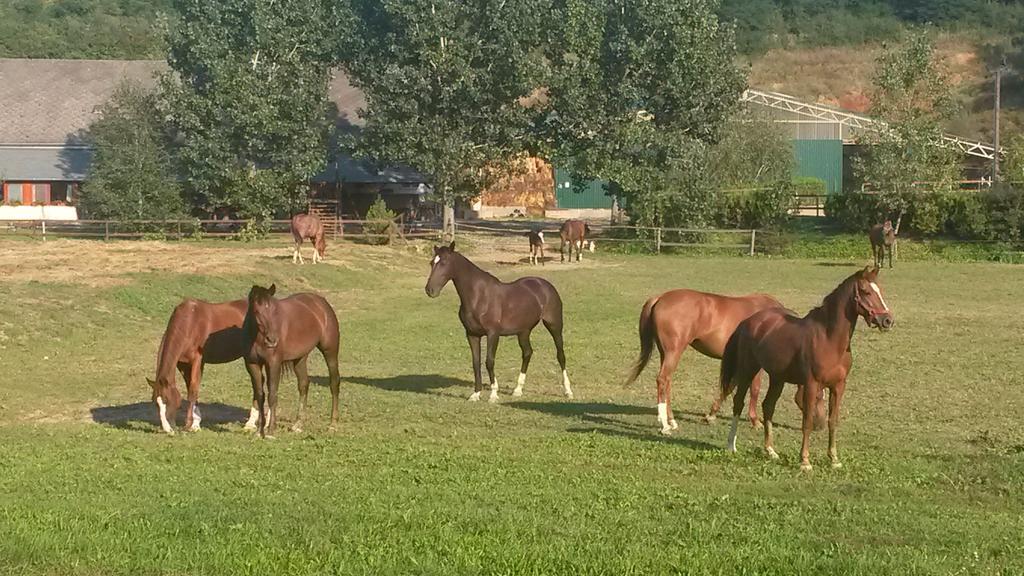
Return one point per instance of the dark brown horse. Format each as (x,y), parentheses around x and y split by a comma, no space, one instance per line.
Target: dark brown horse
(536,246)
(282,333)
(197,334)
(681,318)
(574,233)
(308,226)
(883,239)
(813,351)
(492,308)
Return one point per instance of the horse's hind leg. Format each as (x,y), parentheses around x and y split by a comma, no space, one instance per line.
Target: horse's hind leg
(743,377)
(524,345)
(775,387)
(669,361)
(835,399)
(555,328)
(301,369)
(192,379)
(755,391)
(296,254)
(331,358)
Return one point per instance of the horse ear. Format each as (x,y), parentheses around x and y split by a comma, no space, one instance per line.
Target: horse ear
(452,246)
(871,274)
(272,289)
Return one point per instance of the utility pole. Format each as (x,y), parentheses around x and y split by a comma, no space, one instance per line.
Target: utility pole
(995,153)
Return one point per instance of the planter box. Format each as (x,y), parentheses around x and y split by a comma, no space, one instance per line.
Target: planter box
(38,213)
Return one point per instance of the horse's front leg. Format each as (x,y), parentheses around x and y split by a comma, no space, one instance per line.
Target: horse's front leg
(195,376)
(835,399)
(255,421)
(273,380)
(492,349)
(474,347)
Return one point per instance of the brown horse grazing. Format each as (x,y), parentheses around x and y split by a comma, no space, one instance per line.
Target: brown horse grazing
(681,318)
(536,246)
(282,333)
(197,334)
(492,308)
(574,233)
(308,226)
(813,351)
(883,239)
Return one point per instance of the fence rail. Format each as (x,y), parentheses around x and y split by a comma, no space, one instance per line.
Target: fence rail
(657,238)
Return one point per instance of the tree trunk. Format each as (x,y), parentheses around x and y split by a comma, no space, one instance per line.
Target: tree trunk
(448,223)
(896,231)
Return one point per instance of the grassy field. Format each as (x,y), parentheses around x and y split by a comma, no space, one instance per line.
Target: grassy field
(419,481)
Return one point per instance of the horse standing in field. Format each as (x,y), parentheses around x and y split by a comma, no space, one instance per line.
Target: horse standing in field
(536,246)
(282,332)
(574,233)
(813,351)
(197,334)
(308,226)
(492,308)
(681,318)
(883,239)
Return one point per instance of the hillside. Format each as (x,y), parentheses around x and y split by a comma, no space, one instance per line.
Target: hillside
(841,77)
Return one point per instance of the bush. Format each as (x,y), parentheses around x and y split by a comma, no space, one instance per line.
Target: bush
(381,222)
(755,208)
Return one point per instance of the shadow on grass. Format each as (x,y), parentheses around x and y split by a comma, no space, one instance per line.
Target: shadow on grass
(850,264)
(597,413)
(143,416)
(418,383)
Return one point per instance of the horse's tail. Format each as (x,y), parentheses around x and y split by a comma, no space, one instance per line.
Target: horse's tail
(647,335)
(730,360)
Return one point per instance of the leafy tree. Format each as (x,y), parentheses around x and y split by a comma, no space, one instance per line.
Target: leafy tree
(1012,167)
(913,97)
(637,91)
(445,83)
(248,96)
(132,175)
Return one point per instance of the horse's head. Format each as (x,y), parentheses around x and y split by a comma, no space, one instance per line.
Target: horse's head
(321,245)
(263,312)
(441,269)
(167,400)
(870,303)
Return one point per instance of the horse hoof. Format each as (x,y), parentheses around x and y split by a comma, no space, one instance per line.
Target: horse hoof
(492,399)
(710,419)
(474,397)
(837,465)
(806,467)
(296,428)
(772,453)
(569,395)
(247,426)
(517,392)
(194,428)
(672,425)
(666,431)
(756,424)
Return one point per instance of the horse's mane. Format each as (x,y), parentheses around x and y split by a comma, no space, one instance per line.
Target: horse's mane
(835,299)
(175,339)
(473,266)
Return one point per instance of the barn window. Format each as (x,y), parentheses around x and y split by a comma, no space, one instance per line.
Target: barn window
(14,193)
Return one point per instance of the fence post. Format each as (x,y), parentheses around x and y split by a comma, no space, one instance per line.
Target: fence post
(753,238)
(179,229)
(657,240)
(106,230)
(44,230)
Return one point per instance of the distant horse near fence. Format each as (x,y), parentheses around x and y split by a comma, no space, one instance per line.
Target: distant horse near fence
(536,246)
(883,239)
(574,233)
(308,227)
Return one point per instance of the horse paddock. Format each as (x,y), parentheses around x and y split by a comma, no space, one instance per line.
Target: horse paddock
(415,479)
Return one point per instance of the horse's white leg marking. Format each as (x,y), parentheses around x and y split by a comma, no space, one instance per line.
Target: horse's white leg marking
(163,416)
(295,254)
(566,385)
(592,246)
(475,396)
(579,250)
(494,391)
(663,418)
(732,433)
(879,292)
(519,384)
(254,415)
(197,417)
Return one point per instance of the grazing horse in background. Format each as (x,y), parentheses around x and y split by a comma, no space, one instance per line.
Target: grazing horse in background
(536,246)
(282,332)
(574,233)
(308,226)
(681,318)
(197,334)
(813,351)
(492,308)
(883,239)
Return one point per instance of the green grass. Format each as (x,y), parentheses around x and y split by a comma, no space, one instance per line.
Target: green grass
(419,481)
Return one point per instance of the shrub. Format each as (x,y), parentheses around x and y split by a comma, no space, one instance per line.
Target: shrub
(379,222)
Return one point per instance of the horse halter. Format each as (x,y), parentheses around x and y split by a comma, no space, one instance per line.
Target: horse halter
(871,314)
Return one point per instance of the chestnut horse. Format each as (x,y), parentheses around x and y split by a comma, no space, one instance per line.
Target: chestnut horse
(813,351)
(197,334)
(492,308)
(308,226)
(574,233)
(536,246)
(681,318)
(282,332)
(883,239)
